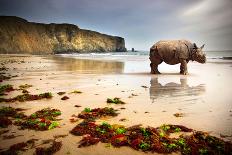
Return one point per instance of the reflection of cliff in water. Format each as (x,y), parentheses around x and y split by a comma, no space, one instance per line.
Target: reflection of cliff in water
(87,66)
(174,90)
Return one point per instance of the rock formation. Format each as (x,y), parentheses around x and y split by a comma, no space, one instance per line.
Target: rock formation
(17,35)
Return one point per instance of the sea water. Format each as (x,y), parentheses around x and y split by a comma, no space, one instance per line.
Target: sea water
(138,62)
(143,54)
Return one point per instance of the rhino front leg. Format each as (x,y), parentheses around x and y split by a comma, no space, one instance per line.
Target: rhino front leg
(154,67)
(183,67)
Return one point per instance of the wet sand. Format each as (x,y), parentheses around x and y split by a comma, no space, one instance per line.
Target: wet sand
(203,96)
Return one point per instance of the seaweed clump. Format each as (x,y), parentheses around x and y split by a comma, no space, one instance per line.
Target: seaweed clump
(5,122)
(115,100)
(61,93)
(64,98)
(92,114)
(6,88)
(8,112)
(22,146)
(151,139)
(27,97)
(203,143)
(178,115)
(168,129)
(55,147)
(44,119)
(137,137)
(147,139)
(76,92)
(25,86)
(4,77)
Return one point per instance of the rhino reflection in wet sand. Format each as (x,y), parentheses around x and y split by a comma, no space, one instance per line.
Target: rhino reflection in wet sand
(173,52)
(174,90)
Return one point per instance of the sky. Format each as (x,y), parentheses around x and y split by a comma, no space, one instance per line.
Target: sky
(140,22)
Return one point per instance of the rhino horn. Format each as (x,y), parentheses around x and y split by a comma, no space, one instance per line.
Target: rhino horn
(202,46)
(194,45)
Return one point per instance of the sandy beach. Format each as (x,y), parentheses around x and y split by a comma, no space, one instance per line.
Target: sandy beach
(203,97)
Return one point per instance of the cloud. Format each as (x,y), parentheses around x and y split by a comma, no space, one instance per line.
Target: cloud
(210,21)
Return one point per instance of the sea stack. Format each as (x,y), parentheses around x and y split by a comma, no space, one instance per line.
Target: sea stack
(19,36)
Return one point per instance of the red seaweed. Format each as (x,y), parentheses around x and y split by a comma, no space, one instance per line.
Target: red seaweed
(5,89)
(64,98)
(5,122)
(27,97)
(55,147)
(61,93)
(88,140)
(22,146)
(6,112)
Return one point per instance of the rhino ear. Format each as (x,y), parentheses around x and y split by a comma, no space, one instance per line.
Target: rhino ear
(194,45)
(202,46)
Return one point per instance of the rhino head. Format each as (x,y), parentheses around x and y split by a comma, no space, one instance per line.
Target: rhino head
(197,54)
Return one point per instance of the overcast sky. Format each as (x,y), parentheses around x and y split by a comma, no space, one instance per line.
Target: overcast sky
(140,22)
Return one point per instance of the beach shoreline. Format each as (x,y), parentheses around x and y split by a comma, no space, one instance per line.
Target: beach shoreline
(203,96)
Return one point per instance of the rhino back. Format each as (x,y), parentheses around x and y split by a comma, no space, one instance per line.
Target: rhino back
(171,50)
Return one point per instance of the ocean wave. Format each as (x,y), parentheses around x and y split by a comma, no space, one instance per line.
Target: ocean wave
(101,54)
(116,54)
(129,55)
(220,57)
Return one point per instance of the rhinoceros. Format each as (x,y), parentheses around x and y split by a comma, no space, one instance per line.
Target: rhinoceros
(173,52)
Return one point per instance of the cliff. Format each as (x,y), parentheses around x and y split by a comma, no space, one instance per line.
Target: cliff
(17,35)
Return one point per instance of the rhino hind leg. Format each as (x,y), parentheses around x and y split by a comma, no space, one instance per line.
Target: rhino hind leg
(183,67)
(154,66)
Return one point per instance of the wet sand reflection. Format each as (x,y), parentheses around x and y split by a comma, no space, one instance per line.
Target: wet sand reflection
(87,66)
(175,91)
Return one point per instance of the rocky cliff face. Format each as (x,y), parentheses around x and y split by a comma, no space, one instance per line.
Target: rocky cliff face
(17,35)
